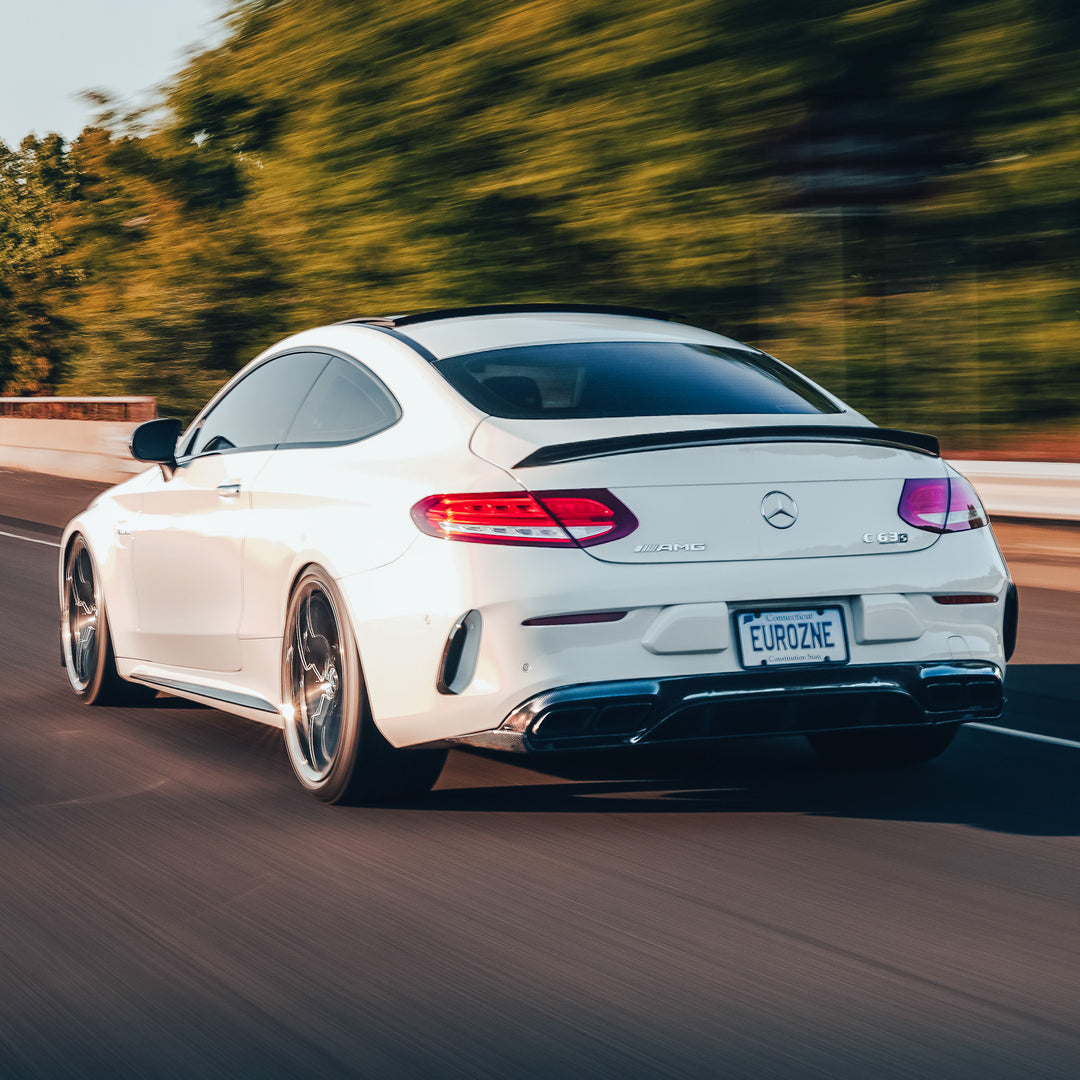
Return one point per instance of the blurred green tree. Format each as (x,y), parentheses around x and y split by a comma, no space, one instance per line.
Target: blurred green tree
(36,189)
(177,289)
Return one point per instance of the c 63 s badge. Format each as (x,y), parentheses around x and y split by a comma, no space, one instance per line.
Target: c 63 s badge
(885,538)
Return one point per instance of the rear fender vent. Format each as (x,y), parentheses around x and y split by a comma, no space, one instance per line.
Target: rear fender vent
(458,662)
(1011,622)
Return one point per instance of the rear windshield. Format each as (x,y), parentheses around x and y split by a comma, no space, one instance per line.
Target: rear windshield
(636,378)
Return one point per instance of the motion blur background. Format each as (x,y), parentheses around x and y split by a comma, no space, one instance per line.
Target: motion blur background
(883,194)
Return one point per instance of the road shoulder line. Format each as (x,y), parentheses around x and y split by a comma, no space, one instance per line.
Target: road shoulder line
(30,539)
(1034,736)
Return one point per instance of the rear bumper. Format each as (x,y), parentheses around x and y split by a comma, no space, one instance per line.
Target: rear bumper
(405,612)
(779,702)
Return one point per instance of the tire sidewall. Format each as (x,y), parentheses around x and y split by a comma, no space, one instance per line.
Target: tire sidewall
(331,787)
(92,689)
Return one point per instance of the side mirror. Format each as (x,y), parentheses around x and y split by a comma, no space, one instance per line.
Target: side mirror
(155,440)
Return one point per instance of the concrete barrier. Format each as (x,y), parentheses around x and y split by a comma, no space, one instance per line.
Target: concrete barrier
(1037,490)
(83,449)
(83,438)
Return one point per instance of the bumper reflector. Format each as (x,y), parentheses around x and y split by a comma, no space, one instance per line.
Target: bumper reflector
(575,620)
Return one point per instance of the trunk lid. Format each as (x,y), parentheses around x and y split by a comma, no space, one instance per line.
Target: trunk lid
(759,488)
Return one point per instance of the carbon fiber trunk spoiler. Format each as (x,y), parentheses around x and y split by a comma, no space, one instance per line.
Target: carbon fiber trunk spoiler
(681,440)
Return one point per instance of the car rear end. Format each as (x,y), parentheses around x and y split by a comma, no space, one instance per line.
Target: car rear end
(708,547)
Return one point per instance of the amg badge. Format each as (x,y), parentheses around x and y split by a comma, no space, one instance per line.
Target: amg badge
(646,549)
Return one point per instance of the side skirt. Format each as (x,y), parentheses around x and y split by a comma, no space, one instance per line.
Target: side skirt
(233,701)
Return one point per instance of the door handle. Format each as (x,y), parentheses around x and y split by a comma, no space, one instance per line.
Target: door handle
(230,490)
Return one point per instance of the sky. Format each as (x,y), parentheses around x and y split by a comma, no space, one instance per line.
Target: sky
(52,50)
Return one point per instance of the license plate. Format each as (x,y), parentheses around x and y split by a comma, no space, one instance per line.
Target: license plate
(808,636)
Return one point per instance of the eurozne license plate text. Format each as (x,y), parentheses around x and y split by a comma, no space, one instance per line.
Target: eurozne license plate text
(810,636)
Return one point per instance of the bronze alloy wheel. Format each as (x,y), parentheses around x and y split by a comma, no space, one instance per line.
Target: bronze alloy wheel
(81,621)
(321,687)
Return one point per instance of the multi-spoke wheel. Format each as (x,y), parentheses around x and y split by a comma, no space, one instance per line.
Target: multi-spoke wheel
(883,748)
(335,749)
(84,635)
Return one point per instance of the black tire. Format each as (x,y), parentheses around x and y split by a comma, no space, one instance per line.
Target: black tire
(85,641)
(333,745)
(883,748)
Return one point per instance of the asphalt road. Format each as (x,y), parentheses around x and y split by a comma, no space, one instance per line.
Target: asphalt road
(173,904)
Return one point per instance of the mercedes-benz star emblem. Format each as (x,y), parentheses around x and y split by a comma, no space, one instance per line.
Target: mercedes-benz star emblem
(779,510)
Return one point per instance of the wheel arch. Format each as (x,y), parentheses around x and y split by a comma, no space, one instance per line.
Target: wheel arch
(99,540)
(66,541)
(309,563)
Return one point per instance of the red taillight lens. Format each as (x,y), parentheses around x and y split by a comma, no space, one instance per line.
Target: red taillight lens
(490,517)
(965,598)
(941,504)
(542,518)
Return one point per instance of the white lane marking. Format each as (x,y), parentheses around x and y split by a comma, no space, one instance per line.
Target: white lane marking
(1027,735)
(30,539)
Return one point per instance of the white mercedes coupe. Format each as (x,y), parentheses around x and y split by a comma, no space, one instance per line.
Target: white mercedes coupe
(538,528)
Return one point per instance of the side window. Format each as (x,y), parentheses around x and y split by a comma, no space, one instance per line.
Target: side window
(346,404)
(256,413)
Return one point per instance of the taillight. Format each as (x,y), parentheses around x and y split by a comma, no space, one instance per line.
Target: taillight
(941,504)
(541,518)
